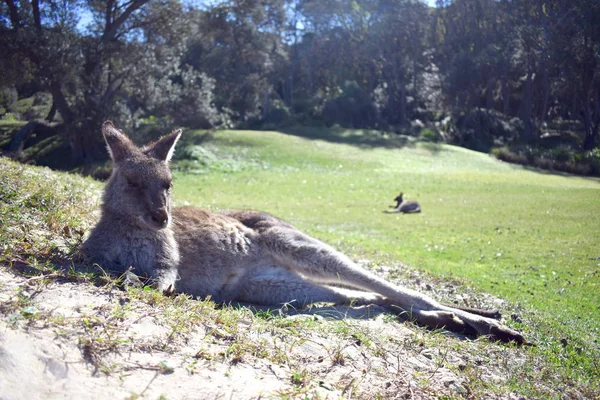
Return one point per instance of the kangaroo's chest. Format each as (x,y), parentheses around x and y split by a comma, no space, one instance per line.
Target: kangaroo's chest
(139,252)
(142,253)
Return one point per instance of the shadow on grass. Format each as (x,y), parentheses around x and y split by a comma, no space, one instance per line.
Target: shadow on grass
(363,138)
(337,313)
(543,171)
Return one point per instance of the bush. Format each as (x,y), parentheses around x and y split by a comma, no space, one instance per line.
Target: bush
(8,100)
(34,107)
(562,159)
(278,117)
(480,129)
(353,108)
(164,88)
(10,117)
(429,135)
(561,154)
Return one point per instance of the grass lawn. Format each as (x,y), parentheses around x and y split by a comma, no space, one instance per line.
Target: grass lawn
(532,238)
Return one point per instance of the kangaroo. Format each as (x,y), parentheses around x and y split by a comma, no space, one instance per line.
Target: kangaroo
(240,256)
(405,206)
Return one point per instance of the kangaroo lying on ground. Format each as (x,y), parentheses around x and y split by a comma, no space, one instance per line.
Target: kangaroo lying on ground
(405,206)
(242,256)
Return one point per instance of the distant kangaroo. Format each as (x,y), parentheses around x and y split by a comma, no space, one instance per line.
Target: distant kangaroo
(404,206)
(245,256)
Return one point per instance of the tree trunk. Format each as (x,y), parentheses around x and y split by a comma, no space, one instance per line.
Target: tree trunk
(59,101)
(591,122)
(527,105)
(266,102)
(505,97)
(402,105)
(546,91)
(489,94)
(51,113)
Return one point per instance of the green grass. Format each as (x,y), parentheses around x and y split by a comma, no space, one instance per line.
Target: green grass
(526,236)
(529,237)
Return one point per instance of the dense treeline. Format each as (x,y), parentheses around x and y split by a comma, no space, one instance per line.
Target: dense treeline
(479,73)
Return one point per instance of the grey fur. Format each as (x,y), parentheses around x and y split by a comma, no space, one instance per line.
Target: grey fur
(404,206)
(244,256)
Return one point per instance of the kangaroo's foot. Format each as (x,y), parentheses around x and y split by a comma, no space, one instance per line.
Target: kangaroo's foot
(464,320)
(471,324)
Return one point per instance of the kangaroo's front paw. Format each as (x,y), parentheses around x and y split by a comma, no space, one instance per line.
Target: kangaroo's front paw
(165,282)
(169,291)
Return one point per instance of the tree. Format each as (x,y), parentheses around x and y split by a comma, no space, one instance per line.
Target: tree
(576,48)
(238,43)
(93,75)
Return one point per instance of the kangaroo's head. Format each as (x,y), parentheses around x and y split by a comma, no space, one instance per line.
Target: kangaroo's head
(399,198)
(139,188)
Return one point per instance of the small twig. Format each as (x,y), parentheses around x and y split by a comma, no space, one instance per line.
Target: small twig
(348,386)
(35,278)
(439,365)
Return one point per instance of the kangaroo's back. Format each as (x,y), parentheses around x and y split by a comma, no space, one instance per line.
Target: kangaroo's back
(409,206)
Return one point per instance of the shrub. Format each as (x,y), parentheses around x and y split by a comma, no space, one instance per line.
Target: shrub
(34,107)
(561,154)
(562,158)
(480,129)
(8,99)
(353,108)
(10,117)
(429,135)
(278,117)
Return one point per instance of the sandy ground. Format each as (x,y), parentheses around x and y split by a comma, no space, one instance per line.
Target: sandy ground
(66,342)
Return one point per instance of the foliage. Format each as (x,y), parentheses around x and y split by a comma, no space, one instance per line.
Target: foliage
(351,109)
(277,118)
(479,129)
(125,65)
(560,158)
(506,69)
(430,135)
(161,87)
(8,100)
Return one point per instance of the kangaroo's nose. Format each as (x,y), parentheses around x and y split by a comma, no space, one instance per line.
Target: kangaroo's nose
(161,216)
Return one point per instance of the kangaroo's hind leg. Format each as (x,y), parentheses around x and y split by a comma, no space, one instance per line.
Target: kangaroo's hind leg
(321,263)
(273,285)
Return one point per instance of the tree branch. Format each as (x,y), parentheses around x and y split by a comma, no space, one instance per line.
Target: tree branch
(58,100)
(107,16)
(35,6)
(111,30)
(15,20)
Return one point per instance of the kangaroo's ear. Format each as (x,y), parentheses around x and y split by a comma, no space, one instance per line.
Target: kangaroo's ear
(119,145)
(164,147)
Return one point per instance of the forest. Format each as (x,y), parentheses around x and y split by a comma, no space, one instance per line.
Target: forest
(519,78)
